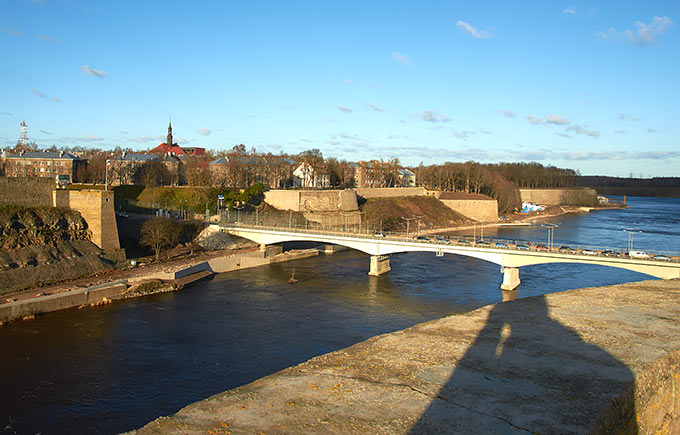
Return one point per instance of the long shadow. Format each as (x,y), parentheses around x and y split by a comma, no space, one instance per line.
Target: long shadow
(527,373)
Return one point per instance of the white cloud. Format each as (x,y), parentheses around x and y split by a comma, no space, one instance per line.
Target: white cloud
(90,138)
(627,117)
(464,134)
(345,109)
(620,132)
(557,120)
(569,11)
(45,132)
(45,97)
(374,107)
(431,116)
(93,72)
(534,119)
(46,38)
(651,130)
(204,131)
(577,129)
(142,138)
(13,32)
(348,82)
(507,113)
(472,31)
(643,34)
(401,58)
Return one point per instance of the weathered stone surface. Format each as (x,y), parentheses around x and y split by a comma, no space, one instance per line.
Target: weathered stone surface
(597,360)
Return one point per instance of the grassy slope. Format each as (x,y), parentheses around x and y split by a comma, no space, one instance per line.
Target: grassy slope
(392,210)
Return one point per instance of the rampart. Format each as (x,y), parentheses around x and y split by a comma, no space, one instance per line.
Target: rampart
(390,192)
(558,196)
(312,200)
(96,207)
(481,208)
(26,192)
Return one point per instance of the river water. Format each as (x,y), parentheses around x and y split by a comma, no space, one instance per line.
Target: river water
(114,368)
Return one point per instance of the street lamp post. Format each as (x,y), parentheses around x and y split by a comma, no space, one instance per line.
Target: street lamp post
(408,220)
(631,233)
(106,175)
(418,220)
(551,233)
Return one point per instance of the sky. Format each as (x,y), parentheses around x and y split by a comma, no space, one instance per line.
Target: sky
(592,86)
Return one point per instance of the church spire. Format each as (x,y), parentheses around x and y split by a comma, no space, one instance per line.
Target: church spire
(169,140)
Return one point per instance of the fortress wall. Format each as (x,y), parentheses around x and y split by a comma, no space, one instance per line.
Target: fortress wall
(312,200)
(479,210)
(388,192)
(27,192)
(96,207)
(552,196)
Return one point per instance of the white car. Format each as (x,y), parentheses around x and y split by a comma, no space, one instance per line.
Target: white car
(588,252)
(638,254)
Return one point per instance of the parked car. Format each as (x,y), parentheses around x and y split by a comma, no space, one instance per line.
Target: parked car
(567,250)
(541,248)
(663,258)
(522,247)
(463,242)
(588,252)
(442,239)
(638,254)
(378,234)
(423,238)
(482,242)
(501,245)
(610,253)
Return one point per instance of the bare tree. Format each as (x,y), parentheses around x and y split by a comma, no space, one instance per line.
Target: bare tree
(159,233)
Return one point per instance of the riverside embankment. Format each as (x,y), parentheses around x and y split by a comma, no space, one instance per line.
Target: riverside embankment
(591,360)
(143,282)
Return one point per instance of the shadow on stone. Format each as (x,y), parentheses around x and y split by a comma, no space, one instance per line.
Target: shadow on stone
(527,373)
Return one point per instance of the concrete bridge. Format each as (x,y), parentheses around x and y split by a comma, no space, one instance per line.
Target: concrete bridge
(508,257)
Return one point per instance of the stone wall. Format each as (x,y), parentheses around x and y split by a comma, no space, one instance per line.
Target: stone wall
(389,192)
(26,192)
(96,207)
(312,200)
(553,196)
(479,210)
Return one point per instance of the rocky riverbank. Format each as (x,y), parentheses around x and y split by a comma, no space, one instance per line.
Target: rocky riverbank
(169,276)
(592,360)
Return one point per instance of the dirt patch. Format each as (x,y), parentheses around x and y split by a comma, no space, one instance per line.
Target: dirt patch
(392,211)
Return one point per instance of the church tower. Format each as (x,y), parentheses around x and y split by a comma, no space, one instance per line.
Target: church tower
(169,142)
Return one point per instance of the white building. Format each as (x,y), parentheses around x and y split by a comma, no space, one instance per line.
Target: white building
(306,177)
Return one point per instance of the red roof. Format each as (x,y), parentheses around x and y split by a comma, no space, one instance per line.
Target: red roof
(168,149)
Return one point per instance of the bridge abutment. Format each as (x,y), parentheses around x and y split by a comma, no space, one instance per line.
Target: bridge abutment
(270,250)
(510,279)
(379,264)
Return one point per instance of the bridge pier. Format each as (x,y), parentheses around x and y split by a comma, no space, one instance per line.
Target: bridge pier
(379,264)
(270,250)
(510,282)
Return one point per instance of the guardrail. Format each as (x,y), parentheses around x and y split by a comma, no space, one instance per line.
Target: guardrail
(277,223)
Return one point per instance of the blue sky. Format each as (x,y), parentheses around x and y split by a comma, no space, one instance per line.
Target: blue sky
(592,86)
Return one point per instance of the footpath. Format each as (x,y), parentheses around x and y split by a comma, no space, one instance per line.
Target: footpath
(592,360)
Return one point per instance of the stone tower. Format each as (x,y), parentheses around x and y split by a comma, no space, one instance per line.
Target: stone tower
(169,140)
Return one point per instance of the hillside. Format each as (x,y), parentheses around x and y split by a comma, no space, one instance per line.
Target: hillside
(30,226)
(392,211)
(41,245)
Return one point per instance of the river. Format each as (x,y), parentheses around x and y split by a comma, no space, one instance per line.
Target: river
(113,368)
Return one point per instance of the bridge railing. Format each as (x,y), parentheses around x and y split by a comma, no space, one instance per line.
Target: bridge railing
(369,230)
